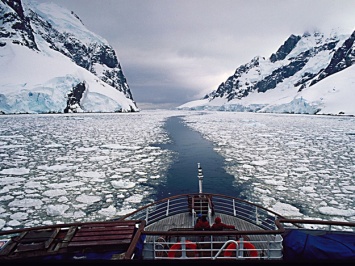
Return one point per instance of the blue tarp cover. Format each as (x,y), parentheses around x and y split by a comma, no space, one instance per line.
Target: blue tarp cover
(306,245)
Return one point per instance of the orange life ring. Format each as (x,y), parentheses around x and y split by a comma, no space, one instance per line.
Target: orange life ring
(177,247)
(247,245)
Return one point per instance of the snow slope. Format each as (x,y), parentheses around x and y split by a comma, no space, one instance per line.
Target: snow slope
(312,74)
(39,80)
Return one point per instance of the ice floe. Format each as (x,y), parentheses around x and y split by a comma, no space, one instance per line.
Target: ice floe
(110,211)
(2,223)
(287,210)
(56,210)
(123,184)
(25,203)
(57,167)
(15,171)
(54,192)
(305,160)
(60,163)
(336,212)
(85,167)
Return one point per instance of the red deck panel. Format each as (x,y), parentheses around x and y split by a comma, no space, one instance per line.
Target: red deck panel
(98,243)
(103,234)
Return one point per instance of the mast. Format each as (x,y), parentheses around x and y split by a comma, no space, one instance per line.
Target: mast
(200,177)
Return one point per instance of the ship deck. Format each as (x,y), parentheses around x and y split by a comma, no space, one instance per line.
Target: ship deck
(184,221)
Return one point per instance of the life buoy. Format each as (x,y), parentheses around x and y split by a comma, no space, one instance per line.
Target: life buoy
(246,245)
(177,248)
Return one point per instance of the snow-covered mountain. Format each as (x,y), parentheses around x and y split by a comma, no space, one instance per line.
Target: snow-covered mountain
(310,74)
(51,63)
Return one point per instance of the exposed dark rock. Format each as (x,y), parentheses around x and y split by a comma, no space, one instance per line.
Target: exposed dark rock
(342,58)
(285,49)
(239,86)
(24,26)
(85,55)
(74,98)
(19,23)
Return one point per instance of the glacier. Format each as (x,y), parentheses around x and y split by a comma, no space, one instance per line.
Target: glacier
(312,74)
(43,68)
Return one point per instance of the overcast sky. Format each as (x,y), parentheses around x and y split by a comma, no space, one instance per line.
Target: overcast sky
(175,51)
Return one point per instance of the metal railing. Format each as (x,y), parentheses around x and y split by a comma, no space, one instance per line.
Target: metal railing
(209,209)
(316,225)
(246,211)
(239,208)
(213,247)
(159,210)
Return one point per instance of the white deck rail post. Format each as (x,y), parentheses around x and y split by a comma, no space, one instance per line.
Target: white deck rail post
(146,215)
(183,248)
(240,253)
(200,177)
(167,208)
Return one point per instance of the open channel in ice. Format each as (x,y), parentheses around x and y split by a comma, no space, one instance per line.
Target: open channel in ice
(68,168)
(87,167)
(300,166)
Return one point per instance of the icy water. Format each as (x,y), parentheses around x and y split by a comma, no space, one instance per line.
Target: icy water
(87,167)
(190,148)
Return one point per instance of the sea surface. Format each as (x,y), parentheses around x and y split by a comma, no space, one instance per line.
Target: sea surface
(88,167)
